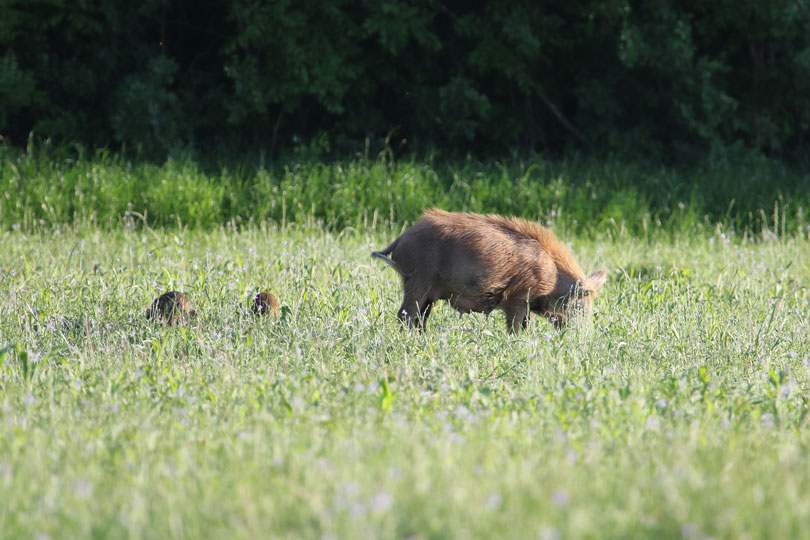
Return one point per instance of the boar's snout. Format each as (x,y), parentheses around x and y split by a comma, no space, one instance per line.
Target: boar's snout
(577,303)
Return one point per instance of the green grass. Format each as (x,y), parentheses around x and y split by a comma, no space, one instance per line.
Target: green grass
(49,187)
(681,413)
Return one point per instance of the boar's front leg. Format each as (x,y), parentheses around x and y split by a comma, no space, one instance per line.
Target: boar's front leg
(424,313)
(416,304)
(517,316)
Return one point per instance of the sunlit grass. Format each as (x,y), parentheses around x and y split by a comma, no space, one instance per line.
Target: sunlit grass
(46,187)
(681,413)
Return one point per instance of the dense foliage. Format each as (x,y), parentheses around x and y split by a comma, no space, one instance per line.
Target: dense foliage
(663,78)
(51,186)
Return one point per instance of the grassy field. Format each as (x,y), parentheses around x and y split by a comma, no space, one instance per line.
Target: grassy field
(682,412)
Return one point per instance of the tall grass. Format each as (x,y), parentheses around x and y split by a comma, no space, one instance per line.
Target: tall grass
(51,187)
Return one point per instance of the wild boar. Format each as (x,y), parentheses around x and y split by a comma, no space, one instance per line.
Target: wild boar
(480,263)
(170,308)
(265,303)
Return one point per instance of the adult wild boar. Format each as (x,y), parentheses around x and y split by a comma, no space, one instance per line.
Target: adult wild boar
(485,262)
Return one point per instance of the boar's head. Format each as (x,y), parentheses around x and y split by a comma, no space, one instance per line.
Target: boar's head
(574,301)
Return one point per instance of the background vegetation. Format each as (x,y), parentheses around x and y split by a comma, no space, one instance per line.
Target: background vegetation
(667,78)
(745,194)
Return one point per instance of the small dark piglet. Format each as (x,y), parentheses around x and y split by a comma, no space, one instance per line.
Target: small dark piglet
(170,308)
(265,303)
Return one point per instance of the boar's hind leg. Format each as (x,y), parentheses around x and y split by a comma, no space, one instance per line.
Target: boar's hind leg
(416,304)
(415,313)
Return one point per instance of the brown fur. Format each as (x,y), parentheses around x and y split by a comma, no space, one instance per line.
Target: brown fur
(170,308)
(265,303)
(480,263)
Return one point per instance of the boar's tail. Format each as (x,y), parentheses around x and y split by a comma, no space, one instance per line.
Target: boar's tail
(387,250)
(383,255)
(379,255)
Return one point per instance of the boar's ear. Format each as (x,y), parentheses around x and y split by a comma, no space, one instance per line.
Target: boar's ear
(598,278)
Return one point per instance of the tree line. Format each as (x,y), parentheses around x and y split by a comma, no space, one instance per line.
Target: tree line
(657,77)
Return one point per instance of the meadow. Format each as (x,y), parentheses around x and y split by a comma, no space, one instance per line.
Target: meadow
(680,412)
